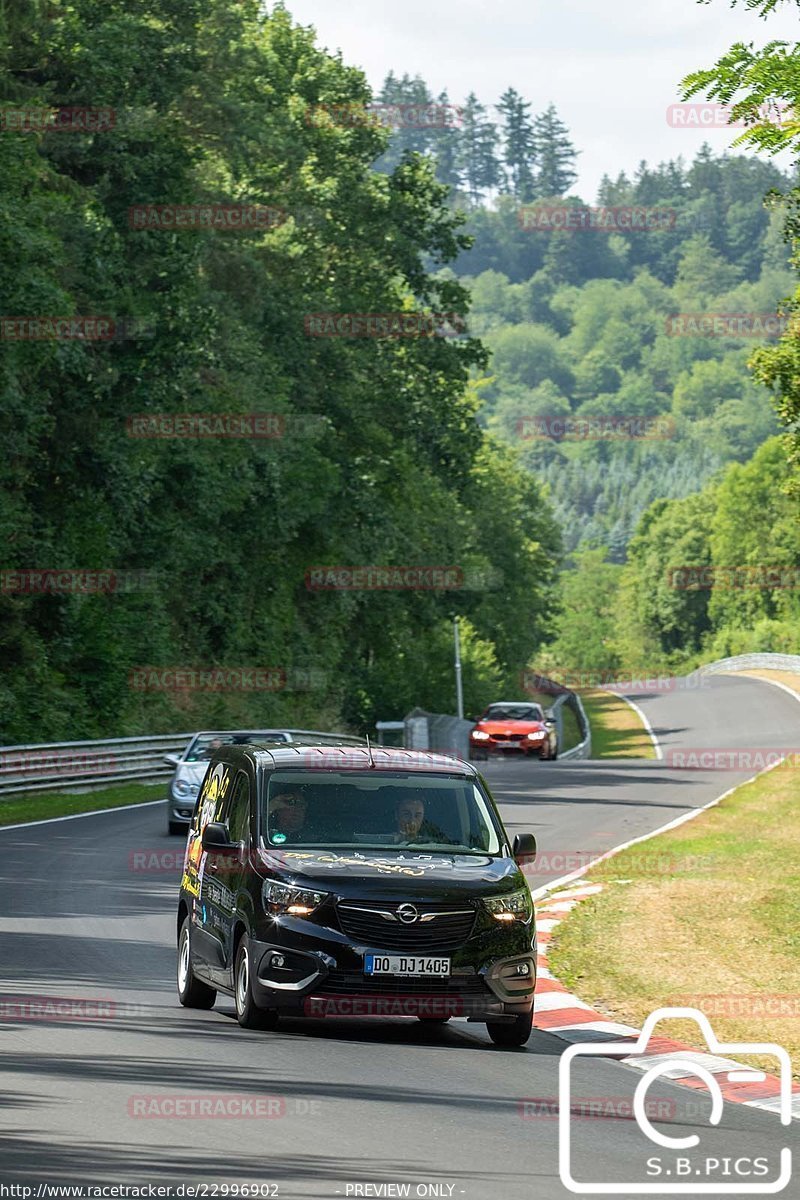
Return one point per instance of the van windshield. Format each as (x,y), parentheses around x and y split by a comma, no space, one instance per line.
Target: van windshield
(356,810)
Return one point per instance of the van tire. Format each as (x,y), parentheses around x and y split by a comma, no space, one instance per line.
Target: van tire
(192,992)
(248,1013)
(511,1033)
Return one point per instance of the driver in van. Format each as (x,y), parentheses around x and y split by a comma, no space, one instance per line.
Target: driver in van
(287,815)
(409,815)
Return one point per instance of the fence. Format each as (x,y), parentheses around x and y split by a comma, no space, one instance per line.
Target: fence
(749,662)
(43,767)
(62,766)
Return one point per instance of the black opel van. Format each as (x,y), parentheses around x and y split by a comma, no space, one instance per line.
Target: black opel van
(340,881)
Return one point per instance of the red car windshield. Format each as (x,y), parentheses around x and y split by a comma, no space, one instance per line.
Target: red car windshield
(513,712)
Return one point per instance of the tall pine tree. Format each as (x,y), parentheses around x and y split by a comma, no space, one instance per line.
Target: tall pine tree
(446,142)
(403,104)
(555,154)
(519,147)
(478,150)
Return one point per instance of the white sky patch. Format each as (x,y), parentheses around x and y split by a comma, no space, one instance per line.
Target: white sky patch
(611,67)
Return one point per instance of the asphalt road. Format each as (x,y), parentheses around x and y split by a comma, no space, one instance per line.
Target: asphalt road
(363,1108)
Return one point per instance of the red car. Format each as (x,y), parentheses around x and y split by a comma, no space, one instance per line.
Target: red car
(516,727)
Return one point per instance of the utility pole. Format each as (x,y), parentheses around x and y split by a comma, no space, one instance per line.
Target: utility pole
(459,691)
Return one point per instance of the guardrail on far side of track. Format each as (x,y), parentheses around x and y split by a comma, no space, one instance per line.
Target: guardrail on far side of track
(757,661)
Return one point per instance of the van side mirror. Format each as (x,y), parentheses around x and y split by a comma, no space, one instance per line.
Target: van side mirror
(216,836)
(524,847)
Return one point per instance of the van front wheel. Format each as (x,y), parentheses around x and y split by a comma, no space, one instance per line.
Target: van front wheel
(248,1013)
(511,1033)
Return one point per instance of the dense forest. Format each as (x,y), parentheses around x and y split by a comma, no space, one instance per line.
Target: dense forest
(447,453)
(381,462)
(680,520)
(578,321)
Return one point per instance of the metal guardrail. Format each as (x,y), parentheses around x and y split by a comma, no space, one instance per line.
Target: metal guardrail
(747,662)
(584,748)
(63,766)
(55,766)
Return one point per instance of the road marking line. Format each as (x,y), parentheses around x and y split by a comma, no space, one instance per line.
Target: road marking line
(95,812)
(643,719)
(551,1001)
(546,888)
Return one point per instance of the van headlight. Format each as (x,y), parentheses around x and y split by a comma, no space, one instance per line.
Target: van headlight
(516,906)
(282,898)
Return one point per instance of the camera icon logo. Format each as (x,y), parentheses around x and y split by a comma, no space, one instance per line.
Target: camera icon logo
(679,1173)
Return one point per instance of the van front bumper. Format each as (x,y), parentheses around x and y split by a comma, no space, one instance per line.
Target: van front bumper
(331,982)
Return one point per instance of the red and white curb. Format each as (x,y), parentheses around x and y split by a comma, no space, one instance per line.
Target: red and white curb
(559,1012)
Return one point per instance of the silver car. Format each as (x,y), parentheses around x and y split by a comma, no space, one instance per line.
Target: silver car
(190,767)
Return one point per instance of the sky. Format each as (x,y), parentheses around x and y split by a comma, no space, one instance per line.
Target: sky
(611,67)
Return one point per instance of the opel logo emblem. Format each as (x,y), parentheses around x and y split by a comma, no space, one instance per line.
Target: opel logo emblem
(407,914)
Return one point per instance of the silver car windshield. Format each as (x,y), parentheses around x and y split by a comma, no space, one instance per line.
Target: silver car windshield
(357,810)
(205,744)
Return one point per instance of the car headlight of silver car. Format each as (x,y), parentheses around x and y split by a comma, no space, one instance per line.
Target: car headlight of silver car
(516,906)
(283,898)
(182,789)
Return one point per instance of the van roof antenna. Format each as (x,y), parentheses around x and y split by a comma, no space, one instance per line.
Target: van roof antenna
(372,762)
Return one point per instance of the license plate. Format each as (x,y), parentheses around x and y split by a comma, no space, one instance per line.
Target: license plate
(404,964)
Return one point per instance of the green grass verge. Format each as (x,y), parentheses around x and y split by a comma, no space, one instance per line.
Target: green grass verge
(617,730)
(704,916)
(41,805)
